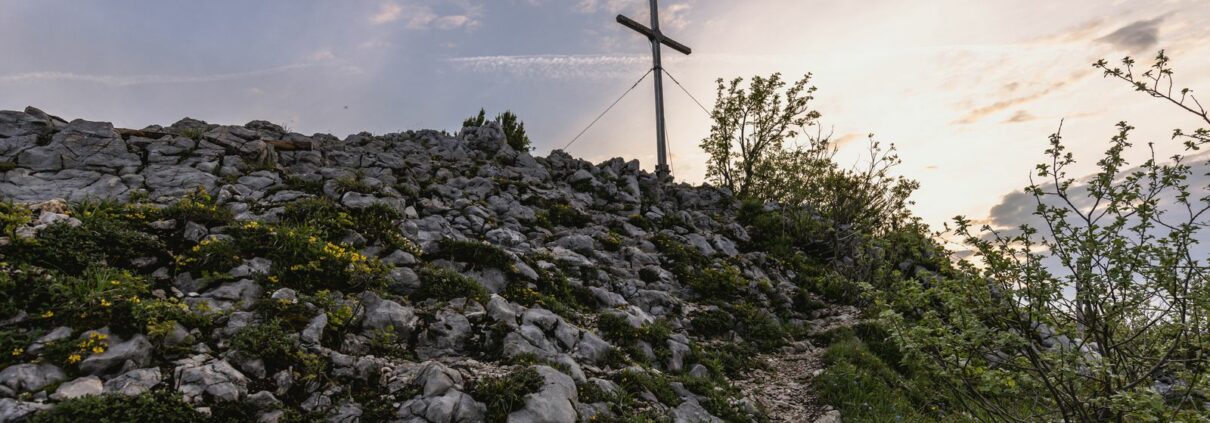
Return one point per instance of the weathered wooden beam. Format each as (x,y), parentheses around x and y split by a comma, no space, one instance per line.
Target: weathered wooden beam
(638,27)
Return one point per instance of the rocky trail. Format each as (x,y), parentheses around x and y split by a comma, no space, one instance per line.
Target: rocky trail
(784,386)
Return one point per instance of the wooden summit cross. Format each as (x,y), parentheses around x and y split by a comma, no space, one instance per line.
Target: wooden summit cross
(657,38)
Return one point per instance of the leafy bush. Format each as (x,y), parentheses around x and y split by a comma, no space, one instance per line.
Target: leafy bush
(506,394)
(278,345)
(445,285)
(72,249)
(726,284)
(712,323)
(98,294)
(154,406)
(825,206)
(553,214)
(303,260)
(13,216)
(378,223)
(478,254)
(1096,314)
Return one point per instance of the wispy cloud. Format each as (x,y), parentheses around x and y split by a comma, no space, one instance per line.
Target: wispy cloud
(422,16)
(387,13)
(151,79)
(999,106)
(1021,116)
(555,66)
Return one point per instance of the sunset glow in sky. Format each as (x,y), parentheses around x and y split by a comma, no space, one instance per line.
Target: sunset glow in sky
(968,91)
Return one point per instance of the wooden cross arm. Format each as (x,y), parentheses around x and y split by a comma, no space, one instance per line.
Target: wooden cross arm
(638,27)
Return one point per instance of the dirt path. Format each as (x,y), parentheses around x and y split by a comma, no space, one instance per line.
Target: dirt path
(784,388)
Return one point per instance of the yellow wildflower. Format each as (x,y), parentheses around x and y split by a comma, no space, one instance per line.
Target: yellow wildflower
(105,303)
(17,352)
(98,349)
(48,314)
(73,359)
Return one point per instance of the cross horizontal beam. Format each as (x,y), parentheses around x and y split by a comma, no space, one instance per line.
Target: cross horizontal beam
(638,27)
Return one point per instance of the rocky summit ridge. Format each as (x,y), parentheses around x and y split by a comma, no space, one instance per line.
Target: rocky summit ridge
(250,273)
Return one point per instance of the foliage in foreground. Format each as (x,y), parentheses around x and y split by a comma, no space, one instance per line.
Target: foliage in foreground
(1100,313)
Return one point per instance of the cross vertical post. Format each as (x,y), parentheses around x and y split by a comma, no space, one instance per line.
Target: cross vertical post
(657,41)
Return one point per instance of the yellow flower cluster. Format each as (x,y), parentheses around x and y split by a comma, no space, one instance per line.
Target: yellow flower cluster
(96,343)
(342,253)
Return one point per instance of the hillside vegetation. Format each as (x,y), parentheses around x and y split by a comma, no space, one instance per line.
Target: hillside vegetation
(201,272)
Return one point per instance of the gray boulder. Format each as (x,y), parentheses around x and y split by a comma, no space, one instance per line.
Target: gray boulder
(12,410)
(87,385)
(29,377)
(197,378)
(381,314)
(134,382)
(137,351)
(555,403)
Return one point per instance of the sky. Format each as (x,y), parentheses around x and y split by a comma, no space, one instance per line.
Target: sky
(967,91)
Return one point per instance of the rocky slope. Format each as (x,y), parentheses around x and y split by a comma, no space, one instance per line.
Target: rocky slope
(237,273)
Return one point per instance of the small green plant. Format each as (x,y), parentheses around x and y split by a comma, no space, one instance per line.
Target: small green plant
(277,344)
(506,394)
(353,183)
(478,254)
(200,207)
(13,216)
(155,406)
(444,285)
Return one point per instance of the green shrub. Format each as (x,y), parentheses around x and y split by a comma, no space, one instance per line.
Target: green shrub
(731,359)
(719,285)
(445,285)
(865,388)
(154,406)
(317,212)
(303,260)
(313,187)
(712,323)
(658,384)
(278,346)
(506,394)
(478,254)
(556,214)
(72,249)
(514,131)
(378,223)
(353,184)
(199,207)
(13,216)
(685,261)
(760,327)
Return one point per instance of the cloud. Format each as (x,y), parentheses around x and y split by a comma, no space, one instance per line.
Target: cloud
(1135,37)
(982,112)
(555,66)
(1017,208)
(389,12)
(420,16)
(152,79)
(672,16)
(1021,116)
